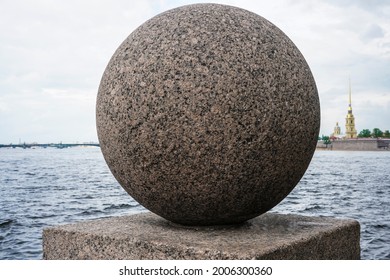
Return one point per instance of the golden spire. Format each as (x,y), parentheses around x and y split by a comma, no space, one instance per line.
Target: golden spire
(350,130)
(350,98)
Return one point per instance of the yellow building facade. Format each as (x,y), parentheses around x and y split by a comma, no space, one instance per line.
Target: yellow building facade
(350,130)
(336,130)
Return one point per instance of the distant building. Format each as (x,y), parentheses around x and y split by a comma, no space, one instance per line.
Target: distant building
(350,130)
(349,140)
(336,132)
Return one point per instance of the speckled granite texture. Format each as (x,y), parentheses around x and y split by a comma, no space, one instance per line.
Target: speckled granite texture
(208,114)
(147,236)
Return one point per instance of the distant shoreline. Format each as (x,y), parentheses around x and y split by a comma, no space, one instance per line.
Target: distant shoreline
(359,144)
(50,145)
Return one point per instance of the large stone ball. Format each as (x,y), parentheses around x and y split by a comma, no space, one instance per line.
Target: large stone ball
(208,114)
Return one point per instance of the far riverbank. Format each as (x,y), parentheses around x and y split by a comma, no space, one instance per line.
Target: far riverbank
(358,144)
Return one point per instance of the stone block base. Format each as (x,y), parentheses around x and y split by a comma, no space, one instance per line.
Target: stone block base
(147,236)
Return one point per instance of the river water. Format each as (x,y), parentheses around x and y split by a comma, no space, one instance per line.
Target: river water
(46,187)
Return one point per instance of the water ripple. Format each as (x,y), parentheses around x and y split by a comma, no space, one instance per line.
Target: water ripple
(46,187)
(348,185)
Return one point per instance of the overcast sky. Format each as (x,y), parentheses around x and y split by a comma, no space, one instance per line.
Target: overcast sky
(53,54)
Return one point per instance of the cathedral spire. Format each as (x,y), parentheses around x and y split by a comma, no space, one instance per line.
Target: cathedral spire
(350,130)
(350,98)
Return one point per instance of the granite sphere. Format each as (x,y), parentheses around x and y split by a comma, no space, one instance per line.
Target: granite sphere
(208,114)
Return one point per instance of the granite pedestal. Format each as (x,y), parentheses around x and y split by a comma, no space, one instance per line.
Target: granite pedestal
(148,236)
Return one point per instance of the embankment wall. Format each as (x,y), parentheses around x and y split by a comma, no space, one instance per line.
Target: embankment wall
(357,145)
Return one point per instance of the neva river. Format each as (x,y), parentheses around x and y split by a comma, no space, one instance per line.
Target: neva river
(46,187)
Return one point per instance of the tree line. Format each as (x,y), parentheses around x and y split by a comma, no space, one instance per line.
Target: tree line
(365,133)
(375,133)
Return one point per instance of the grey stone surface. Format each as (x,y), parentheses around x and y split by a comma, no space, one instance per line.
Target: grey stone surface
(148,236)
(208,114)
